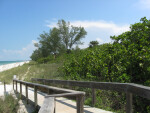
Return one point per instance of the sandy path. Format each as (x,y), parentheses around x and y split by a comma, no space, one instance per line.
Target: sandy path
(23,77)
(63,105)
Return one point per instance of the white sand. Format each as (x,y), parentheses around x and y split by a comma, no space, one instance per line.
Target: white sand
(9,89)
(12,65)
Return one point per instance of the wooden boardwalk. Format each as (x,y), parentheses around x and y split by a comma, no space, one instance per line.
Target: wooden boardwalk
(63,105)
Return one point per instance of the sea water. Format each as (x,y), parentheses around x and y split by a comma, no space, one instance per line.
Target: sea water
(7,62)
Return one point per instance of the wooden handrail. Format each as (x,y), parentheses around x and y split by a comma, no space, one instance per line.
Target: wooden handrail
(79,95)
(128,88)
(63,95)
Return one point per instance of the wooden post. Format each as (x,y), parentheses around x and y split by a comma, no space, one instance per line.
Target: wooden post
(35,96)
(16,87)
(80,103)
(13,84)
(93,97)
(44,82)
(129,103)
(27,93)
(48,91)
(4,87)
(54,105)
(20,90)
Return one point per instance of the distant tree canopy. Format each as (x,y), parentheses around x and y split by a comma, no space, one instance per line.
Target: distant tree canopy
(58,40)
(70,35)
(93,43)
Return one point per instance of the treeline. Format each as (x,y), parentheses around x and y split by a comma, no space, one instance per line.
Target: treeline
(127,59)
(60,39)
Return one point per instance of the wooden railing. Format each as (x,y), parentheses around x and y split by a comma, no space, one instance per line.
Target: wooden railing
(52,92)
(4,86)
(128,88)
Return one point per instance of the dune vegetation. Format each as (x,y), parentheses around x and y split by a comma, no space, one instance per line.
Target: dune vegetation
(125,60)
(9,104)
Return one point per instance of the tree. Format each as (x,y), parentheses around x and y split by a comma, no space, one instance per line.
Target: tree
(59,39)
(36,55)
(93,43)
(70,35)
(49,44)
(133,58)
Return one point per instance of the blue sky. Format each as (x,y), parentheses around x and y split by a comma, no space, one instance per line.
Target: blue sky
(22,21)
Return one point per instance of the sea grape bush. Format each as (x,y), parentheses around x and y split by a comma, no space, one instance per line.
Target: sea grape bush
(96,64)
(127,59)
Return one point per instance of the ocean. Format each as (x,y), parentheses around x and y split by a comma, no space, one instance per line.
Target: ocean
(8,62)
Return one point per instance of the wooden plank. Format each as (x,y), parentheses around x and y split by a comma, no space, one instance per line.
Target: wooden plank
(16,87)
(13,84)
(35,96)
(60,90)
(65,94)
(26,86)
(48,105)
(80,103)
(4,87)
(93,97)
(20,91)
(129,103)
(139,90)
(97,85)
(49,91)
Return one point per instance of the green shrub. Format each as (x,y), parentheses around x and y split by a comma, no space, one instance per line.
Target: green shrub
(9,105)
(127,59)
(45,59)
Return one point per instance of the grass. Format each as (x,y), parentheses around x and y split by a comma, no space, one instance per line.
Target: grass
(31,70)
(9,104)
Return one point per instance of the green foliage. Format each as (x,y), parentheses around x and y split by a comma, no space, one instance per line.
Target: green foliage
(46,59)
(57,41)
(135,45)
(70,34)
(95,64)
(126,60)
(9,104)
(36,55)
(93,43)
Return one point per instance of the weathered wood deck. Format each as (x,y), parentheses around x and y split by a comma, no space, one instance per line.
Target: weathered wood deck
(62,105)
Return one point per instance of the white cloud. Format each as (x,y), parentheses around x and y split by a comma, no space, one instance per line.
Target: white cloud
(96,29)
(116,29)
(100,40)
(143,4)
(22,54)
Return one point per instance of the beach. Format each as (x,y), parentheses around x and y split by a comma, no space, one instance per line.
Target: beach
(12,65)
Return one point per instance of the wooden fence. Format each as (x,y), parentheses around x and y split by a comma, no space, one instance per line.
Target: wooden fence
(128,88)
(52,92)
